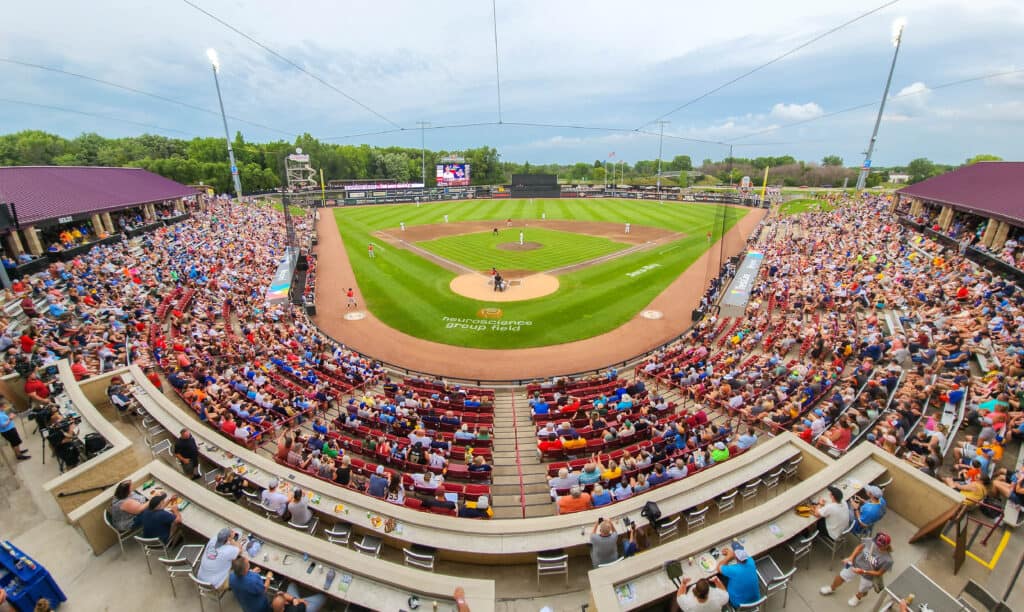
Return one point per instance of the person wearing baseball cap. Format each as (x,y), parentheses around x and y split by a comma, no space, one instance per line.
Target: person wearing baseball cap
(869,512)
(738,567)
(869,562)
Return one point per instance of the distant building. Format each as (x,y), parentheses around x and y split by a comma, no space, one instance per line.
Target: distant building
(897,177)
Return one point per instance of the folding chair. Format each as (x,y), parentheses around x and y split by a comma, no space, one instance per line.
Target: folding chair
(182,564)
(151,546)
(552,563)
(122,536)
(420,556)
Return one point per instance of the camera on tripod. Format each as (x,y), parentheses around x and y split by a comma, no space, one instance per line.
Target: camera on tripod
(63,424)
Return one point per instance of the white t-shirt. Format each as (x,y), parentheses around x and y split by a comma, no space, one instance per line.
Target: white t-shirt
(216,563)
(717,598)
(837,518)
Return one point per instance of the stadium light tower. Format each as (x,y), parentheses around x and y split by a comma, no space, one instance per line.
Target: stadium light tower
(661,138)
(423,151)
(897,40)
(215,62)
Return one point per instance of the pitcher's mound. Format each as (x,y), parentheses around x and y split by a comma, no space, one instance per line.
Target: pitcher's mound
(515,246)
(478,287)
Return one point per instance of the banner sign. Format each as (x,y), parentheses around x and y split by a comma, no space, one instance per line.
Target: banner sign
(739,290)
(383,186)
(277,292)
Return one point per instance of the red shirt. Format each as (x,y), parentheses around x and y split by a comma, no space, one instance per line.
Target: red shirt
(155,379)
(37,387)
(79,370)
(548,445)
(228,427)
(26,343)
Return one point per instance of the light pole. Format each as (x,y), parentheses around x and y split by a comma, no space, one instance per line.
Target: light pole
(661,138)
(897,39)
(423,152)
(215,63)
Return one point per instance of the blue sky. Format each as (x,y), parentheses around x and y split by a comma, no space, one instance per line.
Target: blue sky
(594,63)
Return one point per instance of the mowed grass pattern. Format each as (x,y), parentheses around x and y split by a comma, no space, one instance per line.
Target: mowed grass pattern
(480,251)
(411,294)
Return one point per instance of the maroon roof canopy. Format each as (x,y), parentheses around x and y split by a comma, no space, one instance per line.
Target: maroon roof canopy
(40,193)
(992,189)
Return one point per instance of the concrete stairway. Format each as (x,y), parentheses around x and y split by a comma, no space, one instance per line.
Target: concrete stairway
(509,499)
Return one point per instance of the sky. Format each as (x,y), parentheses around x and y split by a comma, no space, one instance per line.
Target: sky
(602,64)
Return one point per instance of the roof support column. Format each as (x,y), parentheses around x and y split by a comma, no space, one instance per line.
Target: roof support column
(1001,233)
(32,238)
(14,246)
(108,223)
(946,218)
(990,232)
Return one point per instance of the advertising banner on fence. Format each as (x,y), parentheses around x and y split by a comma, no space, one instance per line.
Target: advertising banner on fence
(739,290)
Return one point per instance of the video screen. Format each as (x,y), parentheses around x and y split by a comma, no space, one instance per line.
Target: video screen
(452,175)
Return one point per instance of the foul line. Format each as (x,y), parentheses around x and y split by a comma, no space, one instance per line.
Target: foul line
(412,247)
(650,244)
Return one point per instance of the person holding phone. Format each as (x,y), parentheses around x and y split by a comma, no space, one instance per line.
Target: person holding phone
(249,587)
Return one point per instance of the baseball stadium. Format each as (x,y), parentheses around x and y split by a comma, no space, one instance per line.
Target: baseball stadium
(291,373)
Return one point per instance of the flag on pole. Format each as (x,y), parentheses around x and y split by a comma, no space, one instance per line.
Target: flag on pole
(611,155)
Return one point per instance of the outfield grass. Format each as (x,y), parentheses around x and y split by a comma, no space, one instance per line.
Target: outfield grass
(411,294)
(294,210)
(480,251)
(795,207)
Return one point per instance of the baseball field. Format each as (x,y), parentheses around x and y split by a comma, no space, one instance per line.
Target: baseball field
(605,276)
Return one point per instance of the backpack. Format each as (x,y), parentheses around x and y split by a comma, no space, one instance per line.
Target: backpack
(94,443)
(651,512)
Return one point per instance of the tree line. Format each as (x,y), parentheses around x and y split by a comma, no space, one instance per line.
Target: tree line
(260,165)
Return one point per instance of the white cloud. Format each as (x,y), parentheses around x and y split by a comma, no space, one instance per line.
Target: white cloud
(796,112)
(914,96)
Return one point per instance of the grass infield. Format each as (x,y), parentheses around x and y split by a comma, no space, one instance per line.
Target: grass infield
(481,251)
(411,294)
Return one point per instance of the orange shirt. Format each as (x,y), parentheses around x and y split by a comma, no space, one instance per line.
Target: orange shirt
(568,503)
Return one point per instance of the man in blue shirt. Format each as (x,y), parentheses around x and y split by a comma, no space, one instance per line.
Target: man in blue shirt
(747,440)
(159,522)
(742,582)
(871,511)
(249,588)
(10,433)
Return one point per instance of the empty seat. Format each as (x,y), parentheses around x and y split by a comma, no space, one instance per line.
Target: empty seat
(369,545)
(667,528)
(801,547)
(726,503)
(552,563)
(338,534)
(420,556)
(696,518)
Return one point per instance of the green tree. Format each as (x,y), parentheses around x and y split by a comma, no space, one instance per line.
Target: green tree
(681,163)
(920,169)
(832,160)
(982,157)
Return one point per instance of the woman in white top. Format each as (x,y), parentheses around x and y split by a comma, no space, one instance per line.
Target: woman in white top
(833,515)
